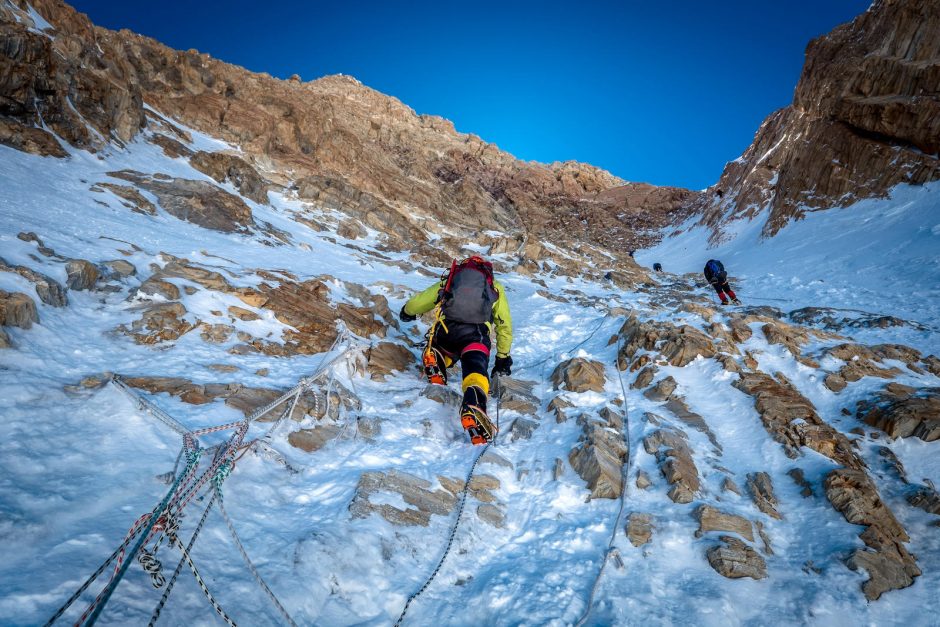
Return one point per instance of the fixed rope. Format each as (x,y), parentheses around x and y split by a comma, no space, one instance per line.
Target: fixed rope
(248,562)
(163,521)
(587,339)
(186,559)
(450,538)
(624,476)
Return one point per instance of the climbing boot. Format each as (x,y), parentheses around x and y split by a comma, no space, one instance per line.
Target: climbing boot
(433,362)
(724,302)
(477,424)
(736,301)
(473,417)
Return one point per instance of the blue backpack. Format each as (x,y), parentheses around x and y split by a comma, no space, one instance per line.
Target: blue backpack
(714,267)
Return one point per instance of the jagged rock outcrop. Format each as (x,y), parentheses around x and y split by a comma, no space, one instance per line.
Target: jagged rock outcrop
(862,361)
(865,117)
(734,559)
(48,289)
(792,420)
(82,274)
(904,413)
(761,487)
(414,490)
(198,202)
(713,519)
(17,310)
(679,345)
(639,528)
(887,562)
(225,167)
(580,375)
(348,147)
(600,454)
(516,395)
(672,451)
(387,357)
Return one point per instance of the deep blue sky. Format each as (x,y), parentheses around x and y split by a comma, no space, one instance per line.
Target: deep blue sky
(662,92)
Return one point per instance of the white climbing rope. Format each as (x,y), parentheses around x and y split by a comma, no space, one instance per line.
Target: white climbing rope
(163,521)
(450,538)
(624,476)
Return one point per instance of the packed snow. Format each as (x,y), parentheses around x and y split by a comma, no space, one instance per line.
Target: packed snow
(79,468)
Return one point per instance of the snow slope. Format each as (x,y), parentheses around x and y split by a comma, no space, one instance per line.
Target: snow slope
(877,255)
(78,469)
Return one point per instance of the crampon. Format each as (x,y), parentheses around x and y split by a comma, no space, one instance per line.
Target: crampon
(432,367)
(477,424)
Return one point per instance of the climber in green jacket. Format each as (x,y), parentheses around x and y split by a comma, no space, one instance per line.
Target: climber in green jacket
(470,303)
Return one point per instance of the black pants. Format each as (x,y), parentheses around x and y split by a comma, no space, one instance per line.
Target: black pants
(470,344)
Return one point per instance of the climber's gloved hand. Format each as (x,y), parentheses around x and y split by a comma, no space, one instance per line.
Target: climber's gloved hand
(406,317)
(503,366)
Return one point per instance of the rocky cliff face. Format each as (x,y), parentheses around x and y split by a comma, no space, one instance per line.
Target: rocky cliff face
(332,141)
(865,117)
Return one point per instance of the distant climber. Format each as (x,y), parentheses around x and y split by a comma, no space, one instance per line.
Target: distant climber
(468,303)
(716,275)
(657,267)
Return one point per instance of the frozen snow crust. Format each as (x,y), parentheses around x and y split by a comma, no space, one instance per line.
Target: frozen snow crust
(79,467)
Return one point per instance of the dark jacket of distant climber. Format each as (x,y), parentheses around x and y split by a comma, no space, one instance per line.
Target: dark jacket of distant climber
(716,275)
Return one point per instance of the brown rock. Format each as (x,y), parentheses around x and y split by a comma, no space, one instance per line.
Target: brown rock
(712,519)
(216,333)
(728,485)
(557,406)
(599,458)
(792,420)
(645,377)
(860,123)
(387,357)
(415,492)
(161,322)
(30,139)
(522,429)
(905,416)
(643,480)
(675,458)
(491,515)
(685,344)
(311,440)
(797,475)
(580,375)
(516,395)
(735,560)
(82,274)
(50,292)
(639,528)
(243,314)
(118,269)
(198,202)
(762,492)
(133,199)
(662,391)
(17,310)
(155,286)
(887,562)
(226,167)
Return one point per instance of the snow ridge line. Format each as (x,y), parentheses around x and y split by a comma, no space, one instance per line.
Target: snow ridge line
(160,519)
(450,539)
(624,476)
